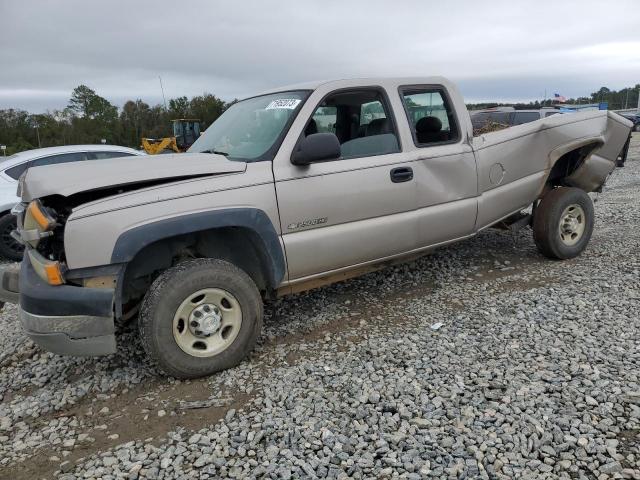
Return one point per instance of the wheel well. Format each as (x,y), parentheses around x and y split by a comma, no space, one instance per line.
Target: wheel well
(238,245)
(569,163)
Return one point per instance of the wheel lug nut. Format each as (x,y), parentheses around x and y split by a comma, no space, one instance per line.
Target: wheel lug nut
(197,314)
(206,308)
(194,324)
(198,332)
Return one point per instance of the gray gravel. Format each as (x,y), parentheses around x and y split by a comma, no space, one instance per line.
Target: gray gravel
(483,360)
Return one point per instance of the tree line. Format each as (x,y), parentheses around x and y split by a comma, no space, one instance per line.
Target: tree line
(90,118)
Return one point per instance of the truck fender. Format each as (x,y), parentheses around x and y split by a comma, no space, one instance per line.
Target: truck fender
(130,242)
(591,171)
(558,152)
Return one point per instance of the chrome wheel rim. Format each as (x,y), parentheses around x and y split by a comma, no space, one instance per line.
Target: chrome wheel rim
(572,225)
(207,322)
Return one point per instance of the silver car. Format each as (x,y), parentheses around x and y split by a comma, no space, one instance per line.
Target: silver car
(12,167)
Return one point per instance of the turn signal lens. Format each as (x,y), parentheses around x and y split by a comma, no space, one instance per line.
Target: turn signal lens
(54,275)
(48,270)
(44,221)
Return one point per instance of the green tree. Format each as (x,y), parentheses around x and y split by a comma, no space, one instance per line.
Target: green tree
(179,108)
(93,117)
(207,108)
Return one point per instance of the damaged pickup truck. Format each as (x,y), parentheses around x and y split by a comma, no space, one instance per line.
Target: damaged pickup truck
(287,191)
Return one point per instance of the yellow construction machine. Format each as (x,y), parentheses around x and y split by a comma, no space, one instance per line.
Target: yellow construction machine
(185,132)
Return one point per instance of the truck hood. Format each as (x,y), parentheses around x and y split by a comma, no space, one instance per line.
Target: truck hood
(70,178)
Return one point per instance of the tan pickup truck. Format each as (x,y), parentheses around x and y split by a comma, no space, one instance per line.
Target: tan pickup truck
(286,191)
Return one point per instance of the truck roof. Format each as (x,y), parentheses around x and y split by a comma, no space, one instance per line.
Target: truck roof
(359,81)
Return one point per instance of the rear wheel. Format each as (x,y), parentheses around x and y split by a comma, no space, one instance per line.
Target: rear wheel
(9,247)
(200,317)
(563,223)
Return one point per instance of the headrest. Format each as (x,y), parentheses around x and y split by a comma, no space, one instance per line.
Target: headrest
(428,125)
(378,126)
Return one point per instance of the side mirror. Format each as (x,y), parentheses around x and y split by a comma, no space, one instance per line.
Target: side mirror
(317,147)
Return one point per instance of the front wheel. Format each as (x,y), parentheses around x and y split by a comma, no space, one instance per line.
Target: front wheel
(200,317)
(563,223)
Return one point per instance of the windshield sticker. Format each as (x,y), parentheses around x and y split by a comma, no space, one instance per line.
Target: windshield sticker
(288,103)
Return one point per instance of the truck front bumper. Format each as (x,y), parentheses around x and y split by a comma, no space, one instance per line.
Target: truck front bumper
(64,319)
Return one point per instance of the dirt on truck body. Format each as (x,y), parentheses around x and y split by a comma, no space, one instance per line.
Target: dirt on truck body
(286,191)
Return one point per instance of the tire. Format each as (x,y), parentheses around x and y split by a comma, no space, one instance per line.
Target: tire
(563,223)
(9,248)
(180,352)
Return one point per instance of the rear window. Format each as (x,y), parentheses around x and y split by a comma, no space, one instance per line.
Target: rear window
(16,171)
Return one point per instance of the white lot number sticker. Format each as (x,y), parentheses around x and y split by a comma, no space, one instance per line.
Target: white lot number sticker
(288,103)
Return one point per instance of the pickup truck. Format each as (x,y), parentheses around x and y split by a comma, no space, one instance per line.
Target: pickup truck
(288,190)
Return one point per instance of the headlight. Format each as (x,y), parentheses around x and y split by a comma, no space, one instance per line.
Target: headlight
(37,224)
(38,217)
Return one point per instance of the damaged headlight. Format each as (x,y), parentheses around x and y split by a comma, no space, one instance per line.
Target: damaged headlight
(38,223)
(48,270)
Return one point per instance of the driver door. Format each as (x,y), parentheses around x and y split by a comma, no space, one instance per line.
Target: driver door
(355,209)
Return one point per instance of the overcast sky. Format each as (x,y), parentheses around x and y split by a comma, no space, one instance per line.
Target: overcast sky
(495,50)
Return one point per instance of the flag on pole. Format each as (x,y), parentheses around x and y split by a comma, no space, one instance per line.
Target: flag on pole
(559,98)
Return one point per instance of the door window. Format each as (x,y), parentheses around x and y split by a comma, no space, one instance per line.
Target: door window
(62,158)
(323,121)
(430,116)
(105,155)
(360,119)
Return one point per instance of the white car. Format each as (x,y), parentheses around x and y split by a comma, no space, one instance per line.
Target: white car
(12,167)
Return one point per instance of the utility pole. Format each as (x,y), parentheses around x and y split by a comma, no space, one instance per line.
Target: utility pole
(626,100)
(162,88)
(638,109)
(38,135)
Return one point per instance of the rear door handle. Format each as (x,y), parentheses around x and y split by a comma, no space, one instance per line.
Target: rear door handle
(401,174)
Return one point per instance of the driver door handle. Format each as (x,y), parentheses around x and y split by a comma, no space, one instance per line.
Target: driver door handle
(401,174)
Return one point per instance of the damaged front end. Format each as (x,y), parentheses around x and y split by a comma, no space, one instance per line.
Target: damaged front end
(56,312)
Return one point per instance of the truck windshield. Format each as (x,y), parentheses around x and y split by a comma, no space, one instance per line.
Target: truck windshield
(251,130)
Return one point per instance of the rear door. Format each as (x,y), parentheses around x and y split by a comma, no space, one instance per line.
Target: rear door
(444,165)
(353,210)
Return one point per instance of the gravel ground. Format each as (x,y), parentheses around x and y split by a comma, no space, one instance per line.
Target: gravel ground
(483,360)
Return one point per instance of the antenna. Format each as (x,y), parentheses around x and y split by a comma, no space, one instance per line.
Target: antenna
(162,89)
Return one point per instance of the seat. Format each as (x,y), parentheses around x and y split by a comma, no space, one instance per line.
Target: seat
(429,130)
